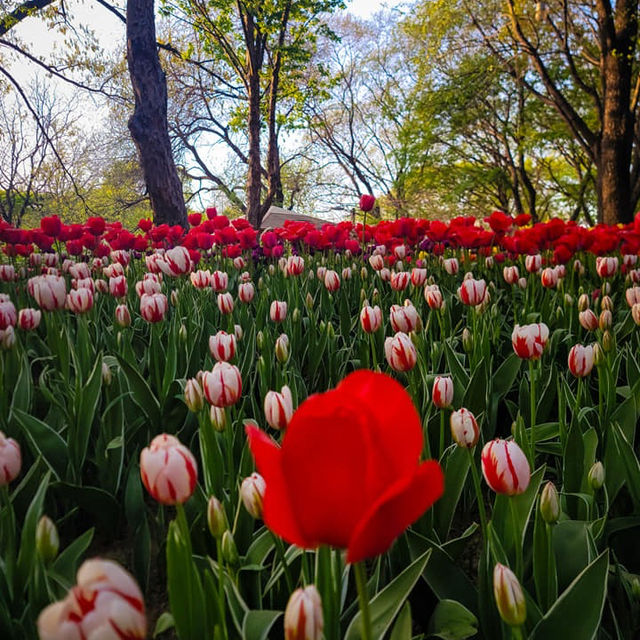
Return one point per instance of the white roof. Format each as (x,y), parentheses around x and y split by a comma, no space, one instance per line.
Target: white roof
(276,217)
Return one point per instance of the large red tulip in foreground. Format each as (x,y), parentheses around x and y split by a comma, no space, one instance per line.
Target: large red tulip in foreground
(348,472)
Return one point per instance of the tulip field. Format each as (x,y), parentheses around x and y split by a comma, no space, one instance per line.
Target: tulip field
(413,429)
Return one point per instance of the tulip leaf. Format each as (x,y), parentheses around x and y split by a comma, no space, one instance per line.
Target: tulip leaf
(44,441)
(630,464)
(66,564)
(22,392)
(384,607)
(544,562)
(93,500)
(452,621)
(164,623)
(402,627)
(579,606)
(475,398)
(457,370)
(456,468)
(142,394)
(257,624)
(505,375)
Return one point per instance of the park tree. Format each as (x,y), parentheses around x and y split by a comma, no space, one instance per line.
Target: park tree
(583,63)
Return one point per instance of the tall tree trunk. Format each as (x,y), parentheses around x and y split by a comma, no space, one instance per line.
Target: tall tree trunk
(148,124)
(254,177)
(614,154)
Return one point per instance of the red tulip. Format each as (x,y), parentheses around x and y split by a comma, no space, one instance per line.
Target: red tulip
(168,470)
(348,472)
(530,340)
(367,202)
(505,467)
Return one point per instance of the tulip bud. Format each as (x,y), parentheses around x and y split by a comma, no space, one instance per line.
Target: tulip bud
(467,340)
(596,476)
(106,375)
(303,618)
(47,540)
(464,428)
(607,341)
(509,597)
(598,354)
(568,300)
(331,331)
(364,273)
(442,393)
(260,340)
(522,283)
(309,301)
(550,504)
(238,332)
(583,302)
(218,418)
(193,396)
(174,297)
(182,333)
(278,408)
(606,320)
(635,313)
(252,493)
(123,317)
(295,316)
(282,348)
(216,518)
(229,549)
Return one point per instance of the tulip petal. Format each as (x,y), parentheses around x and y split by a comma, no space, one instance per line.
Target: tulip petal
(401,505)
(324,462)
(392,421)
(277,512)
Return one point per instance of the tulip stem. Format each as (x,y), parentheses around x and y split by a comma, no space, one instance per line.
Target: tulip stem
(441,447)
(363,597)
(517,633)
(374,358)
(479,496)
(516,538)
(532,403)
(221,593)
(283,560)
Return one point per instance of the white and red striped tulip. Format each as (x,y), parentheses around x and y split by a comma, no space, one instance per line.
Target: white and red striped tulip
(303,619)
(400,352)
(442,392)
(606,266)
(176,262)
(201,279)
(29,319)
(511,274)
(530,340)
(225,303)
(549,278)
(472,292)
(80,300)
(223,385)
(418,276)
(153,307)
(168,470)
(533,263)
(370,319)
(50,292)
(223,346)
(433,296)
(8,314)
(505,467)
(400,280)
(581,360)
(295,265)
(404,318)
(464,428)
(278,408)
(246,292)
(148,287)
(588,320)
(10,460)
(8,272)
(123,317)
(118,286)
(376,261)
(252,492)
(331,280)
(278,311)
(219,281)
(632,296)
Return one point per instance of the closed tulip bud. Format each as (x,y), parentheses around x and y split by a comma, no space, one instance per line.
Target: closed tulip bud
(607,341)
(309,301)
(295,316)
(505,467)
(635,313)
(364,274)
(472,292)
(174,297)
(606,303)
(193,396)
(464,428)
(106,375)
(400,352)
(568,300)
(10,459)
(303,618)
(550,504)
(47,540)
(596,476)
(216,518)
(153,307)
(331,280)
(370,319)
(583,302)
(260,340)
(252,493)
(168,470)
(123,317)
(522,283)
(182,333)
(229,549)
(225,303)
(29,319)
(533,263)
(7,338)
(238,332)
(282,348)
(598,354)
(246,292)
(606,266)
(467,340)
(442,392)
(218,418)
(278,408)
(588,320)
(375,296)
(331,332)
(509,596)
(363,298)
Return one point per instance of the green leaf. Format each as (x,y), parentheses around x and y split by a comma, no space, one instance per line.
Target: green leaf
(457,369)
(66,564)
(452,621)
(44,441)
(96,502)
(164,623)
(142,394)
(544,562)
(579,608)
(456,468)
(257,624)
(475,395)
(505,375)
(385,605)
(630,464)
(22,392)
(402,627)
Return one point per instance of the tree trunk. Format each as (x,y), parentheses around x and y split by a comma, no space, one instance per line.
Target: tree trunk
(614,154)
(254,177)
(148,124)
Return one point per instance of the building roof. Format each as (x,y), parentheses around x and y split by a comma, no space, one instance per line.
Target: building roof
(277,216)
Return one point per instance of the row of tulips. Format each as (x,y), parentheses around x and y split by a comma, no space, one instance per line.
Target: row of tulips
(302,439)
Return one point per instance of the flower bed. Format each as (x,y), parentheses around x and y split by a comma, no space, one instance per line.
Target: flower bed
(194,405)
